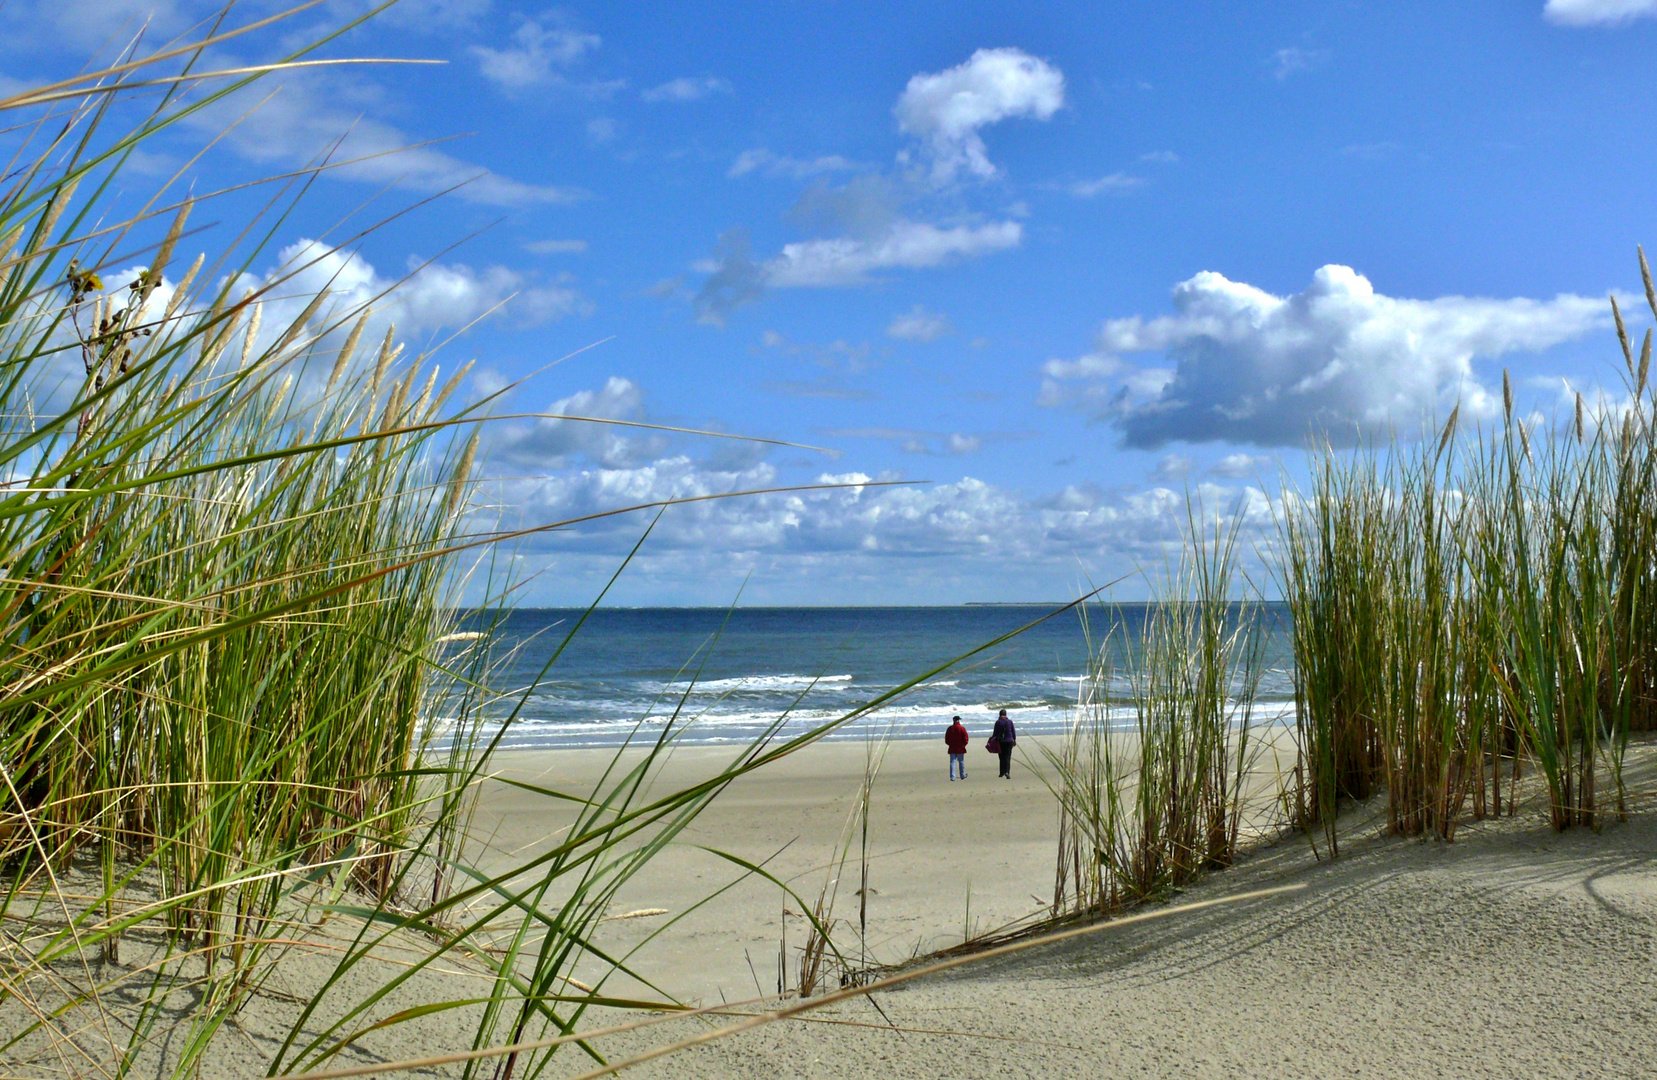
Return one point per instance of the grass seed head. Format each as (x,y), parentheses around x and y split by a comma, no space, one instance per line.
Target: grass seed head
(418,413)
(1449,429)
(348,350)
(462,475)
(1622,336)
(395,400)
(388,350)
(1645,279)
(251,334)
(181,291)
(299,325)
(54,211)
(1645,365)
(449,387)
(164,255)
(8,242)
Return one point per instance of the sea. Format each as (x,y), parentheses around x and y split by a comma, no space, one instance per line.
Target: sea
(571,678)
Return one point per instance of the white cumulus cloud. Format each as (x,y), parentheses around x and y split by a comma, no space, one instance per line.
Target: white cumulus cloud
(1338,359)
(684,90)
(549,443)
(735,278)
(918,325)
(578,469)
(946,109)
(1117,183)
(908,244)
(1241,466)
(429,297)
(551,471)
(875,216)
(967,519)
(535,52)
(1597,12)
(774,164)
(1171,468)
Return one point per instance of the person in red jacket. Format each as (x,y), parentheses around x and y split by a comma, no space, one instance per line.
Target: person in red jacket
(955,737)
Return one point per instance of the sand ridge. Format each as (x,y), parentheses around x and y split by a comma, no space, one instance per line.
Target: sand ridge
(1515,951)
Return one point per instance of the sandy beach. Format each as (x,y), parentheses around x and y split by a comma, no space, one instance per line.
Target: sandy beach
(945,857)
(1514,951)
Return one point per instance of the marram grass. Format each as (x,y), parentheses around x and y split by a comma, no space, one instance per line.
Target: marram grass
(1475,603)
(1462,608)
(227,560)
(1148,806)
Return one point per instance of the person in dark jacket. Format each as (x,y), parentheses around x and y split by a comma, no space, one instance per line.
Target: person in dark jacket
(955,737)
(1006,736)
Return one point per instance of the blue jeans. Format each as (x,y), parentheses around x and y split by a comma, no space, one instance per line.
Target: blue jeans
(957,761)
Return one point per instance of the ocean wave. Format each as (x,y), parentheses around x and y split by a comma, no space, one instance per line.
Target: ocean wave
(917,721)
(758,684)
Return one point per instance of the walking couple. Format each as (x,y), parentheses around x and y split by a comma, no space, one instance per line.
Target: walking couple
(1001,743)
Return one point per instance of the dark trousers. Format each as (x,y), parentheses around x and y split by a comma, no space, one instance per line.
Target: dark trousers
(1006,759)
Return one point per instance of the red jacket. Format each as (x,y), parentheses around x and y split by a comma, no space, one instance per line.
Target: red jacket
(956,738)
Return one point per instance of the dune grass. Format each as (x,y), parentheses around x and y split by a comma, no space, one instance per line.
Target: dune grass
(229,552)
(1147,804)
(1470,604)
(1462,608)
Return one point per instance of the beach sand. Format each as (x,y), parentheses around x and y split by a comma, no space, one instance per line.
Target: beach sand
(943,856)
(1514,951)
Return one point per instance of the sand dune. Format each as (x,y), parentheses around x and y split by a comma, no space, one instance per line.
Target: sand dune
(1514,951)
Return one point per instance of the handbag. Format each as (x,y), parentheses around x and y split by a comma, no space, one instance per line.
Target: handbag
(993,745)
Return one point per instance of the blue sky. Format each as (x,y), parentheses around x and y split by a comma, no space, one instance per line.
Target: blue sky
(1064,262)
